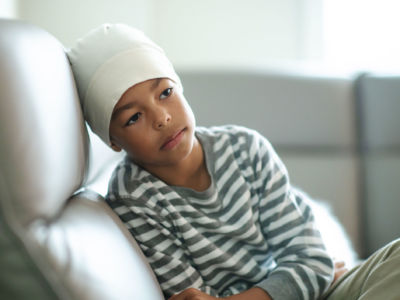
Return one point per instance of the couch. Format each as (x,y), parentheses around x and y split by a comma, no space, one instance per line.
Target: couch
(336,134)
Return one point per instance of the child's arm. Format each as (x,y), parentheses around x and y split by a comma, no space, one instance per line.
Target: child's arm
(303,267)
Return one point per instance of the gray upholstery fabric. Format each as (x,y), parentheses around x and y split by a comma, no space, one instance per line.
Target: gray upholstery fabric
(380,107)
(291,109)
(56,241)
(379,104)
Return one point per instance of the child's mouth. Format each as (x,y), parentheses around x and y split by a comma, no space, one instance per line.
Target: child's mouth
(173,140)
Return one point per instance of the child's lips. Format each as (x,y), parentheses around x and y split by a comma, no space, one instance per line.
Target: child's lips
(173,140)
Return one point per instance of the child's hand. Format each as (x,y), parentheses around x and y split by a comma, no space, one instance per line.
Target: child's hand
(340,270)
(192,294)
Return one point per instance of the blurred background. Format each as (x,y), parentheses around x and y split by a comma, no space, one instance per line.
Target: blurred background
(334,36)
(344,35)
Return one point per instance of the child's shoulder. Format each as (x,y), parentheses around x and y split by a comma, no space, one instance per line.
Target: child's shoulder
(123,172)
(227,131)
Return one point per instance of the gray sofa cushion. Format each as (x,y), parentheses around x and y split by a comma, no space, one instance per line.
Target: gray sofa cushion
(291,109)
(379,105)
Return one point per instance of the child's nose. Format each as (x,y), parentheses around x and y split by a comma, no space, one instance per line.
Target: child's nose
(161,118)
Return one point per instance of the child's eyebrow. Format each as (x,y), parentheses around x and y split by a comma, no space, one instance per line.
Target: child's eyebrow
(122,108)
(155,84)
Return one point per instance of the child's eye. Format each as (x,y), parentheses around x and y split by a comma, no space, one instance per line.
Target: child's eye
(133,119)
(166,93)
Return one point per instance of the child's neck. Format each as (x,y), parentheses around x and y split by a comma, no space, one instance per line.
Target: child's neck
(191,173)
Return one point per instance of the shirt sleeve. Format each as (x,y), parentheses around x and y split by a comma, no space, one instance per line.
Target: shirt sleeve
(304,270)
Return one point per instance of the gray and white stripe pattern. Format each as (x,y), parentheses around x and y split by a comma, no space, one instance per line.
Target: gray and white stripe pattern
(249,228)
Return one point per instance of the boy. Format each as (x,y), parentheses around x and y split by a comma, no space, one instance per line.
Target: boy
(212,209)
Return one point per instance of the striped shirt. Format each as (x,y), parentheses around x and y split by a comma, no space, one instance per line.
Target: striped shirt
(250,228)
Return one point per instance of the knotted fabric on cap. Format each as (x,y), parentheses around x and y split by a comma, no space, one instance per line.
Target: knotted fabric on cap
(108,61)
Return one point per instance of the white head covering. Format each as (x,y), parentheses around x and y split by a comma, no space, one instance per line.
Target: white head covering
(108,61)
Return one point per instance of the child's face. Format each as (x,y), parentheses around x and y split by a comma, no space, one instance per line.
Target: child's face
(154,124)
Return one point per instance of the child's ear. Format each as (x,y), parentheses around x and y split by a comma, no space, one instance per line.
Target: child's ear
(115,147)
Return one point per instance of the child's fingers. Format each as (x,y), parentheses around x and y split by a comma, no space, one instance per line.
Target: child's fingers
(339,264)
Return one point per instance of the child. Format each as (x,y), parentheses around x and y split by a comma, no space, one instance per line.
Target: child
(211,208)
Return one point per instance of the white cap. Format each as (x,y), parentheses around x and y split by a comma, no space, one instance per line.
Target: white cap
(108,61)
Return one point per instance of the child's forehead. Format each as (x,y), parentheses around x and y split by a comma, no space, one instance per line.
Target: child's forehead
(140,89)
